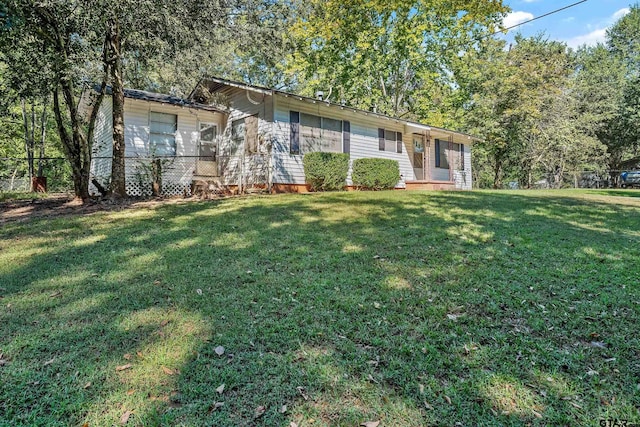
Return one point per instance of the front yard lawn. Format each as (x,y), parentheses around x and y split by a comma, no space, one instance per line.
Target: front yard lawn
(407,308)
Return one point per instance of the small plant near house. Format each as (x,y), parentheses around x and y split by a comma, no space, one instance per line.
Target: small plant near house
(375,174)
(149,172)
(326,171)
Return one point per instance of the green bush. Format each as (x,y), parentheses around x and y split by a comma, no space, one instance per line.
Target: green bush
(326,171)
(375,174)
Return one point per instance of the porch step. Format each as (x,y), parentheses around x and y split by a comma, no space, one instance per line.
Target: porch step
(207,186)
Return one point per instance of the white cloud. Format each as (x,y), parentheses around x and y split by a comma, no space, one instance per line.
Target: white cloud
(569,19)
(619,14)
(599,34)
(590,39)
(515,18)
(530,1)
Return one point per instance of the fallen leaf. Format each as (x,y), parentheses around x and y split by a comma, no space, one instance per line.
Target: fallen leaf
(376,304)
(283,409)
(139,354)
(591,372)
(427,405)
(216,406)
(292,424)
(260,410)
(220,389)
(448,399)
(49,362)
(168,371)
(123,367)
(598,344)
(219,350)
(537,414)
(156,282)
(199,291)
(370,424)
(85,425)
(125,417)
(127,356)
(130,392)
(164,322)
(304,395)
(575,405)
(55,294)
(421,389)
(87,385)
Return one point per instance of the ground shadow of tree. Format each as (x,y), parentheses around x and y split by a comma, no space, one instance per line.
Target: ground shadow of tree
(419,309)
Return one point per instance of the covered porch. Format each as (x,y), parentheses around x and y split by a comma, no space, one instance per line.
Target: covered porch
(440,158)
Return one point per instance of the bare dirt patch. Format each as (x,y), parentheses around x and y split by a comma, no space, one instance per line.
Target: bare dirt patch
(59,205)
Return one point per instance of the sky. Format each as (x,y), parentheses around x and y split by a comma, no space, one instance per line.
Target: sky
(585,23)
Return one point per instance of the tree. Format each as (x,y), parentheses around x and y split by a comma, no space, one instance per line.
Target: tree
(524,107)
(390,56)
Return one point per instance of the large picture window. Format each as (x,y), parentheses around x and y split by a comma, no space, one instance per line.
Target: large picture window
(320,134)
(443,154)
(162,134)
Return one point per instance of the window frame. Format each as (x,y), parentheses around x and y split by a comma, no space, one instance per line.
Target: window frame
(383,141)
(173,135)
(444,153)
(299,138)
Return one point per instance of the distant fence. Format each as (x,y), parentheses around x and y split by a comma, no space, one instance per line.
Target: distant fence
(14,174)
(577,179)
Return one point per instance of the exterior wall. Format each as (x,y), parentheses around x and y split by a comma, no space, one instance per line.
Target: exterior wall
(461,178)
(235,164)
(178,172)
(288,168)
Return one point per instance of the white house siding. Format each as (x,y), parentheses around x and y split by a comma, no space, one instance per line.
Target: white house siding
(236,166)
(177,173)
(102,148)
(461,178)
(288,168)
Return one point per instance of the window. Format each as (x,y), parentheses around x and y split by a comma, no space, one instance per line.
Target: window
(245,131)
(208,133)
(162,134)
(315,133)
(443,154)
(389,141)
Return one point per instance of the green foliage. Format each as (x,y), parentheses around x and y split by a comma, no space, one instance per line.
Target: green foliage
(375,174)
(326,171)
(388,55)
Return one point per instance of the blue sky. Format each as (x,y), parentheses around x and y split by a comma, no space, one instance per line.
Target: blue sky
(585,23)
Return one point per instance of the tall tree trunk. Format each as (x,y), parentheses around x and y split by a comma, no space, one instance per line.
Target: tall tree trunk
(118,179)
(43,135)
(497,172)
(28,141)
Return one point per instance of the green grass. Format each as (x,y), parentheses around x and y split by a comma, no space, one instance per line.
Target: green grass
(484,308)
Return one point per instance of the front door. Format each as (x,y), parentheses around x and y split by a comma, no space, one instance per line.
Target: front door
(207,164)
(418,157)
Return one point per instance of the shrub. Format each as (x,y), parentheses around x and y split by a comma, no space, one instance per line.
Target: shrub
(375,174)
(326,171)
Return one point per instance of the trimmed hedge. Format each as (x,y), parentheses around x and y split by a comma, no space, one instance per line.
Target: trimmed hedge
(375,174)
(326,171)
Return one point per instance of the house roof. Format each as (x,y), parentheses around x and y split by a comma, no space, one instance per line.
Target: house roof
(163,99)
(215,84)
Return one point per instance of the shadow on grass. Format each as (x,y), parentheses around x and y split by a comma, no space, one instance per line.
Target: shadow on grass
(413,308)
